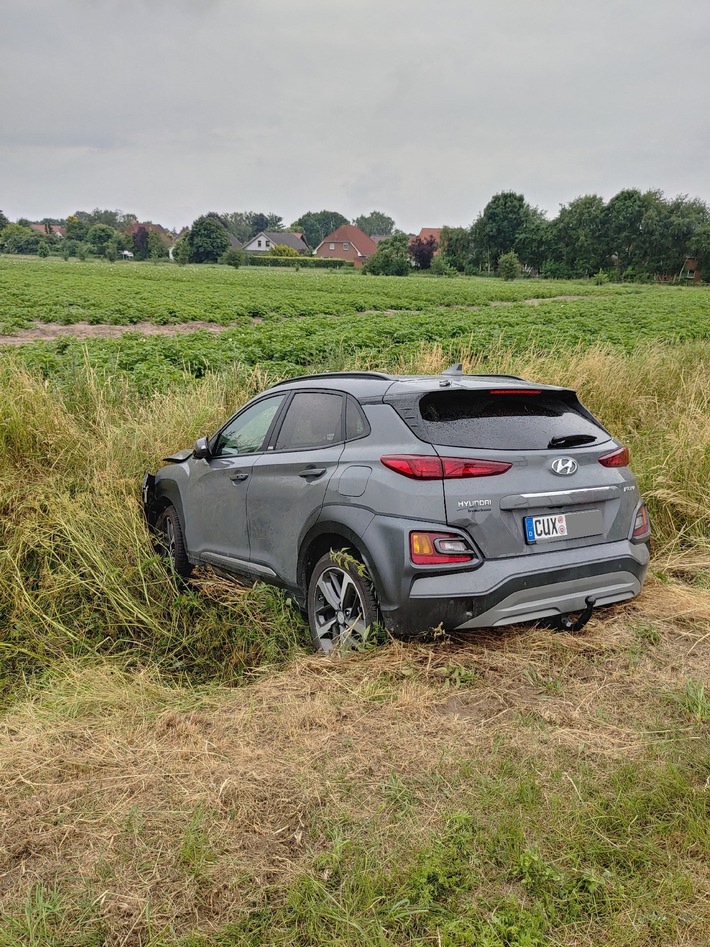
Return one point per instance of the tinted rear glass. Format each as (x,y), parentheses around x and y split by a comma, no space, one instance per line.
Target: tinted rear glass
(503,422)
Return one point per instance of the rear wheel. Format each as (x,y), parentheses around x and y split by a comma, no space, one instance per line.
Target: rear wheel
(341,603)
(172,541)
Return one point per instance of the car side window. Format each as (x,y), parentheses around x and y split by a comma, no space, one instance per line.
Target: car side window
(313,419)
(247,432)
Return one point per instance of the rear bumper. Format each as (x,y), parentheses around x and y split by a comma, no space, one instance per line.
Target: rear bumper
(506,591)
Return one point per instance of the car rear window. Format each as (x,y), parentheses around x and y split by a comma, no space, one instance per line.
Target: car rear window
(503,421)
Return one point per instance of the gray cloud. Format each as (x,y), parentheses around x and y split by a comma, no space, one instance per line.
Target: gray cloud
(170,108)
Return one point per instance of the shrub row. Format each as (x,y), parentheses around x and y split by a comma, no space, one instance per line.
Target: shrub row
(312,262)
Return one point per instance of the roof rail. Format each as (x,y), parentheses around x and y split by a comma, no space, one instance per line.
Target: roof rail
(368,376)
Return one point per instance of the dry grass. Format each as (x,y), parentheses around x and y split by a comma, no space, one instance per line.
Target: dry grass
(173,810)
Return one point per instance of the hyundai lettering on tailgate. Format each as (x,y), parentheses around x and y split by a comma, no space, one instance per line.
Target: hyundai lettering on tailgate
(541,529)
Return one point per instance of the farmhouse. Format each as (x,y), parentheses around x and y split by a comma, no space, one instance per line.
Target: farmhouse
(267,240)
(49,230)
(347,243)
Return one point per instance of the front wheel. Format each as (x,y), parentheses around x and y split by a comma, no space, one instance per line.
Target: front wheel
(342,606)
(172,541)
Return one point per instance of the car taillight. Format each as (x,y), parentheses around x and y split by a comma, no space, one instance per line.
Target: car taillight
(642,524)
(430,549)
(515,391)
(442,468)
(618,458)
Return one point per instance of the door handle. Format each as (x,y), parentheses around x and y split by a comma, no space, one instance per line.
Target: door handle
(312,472)
(237,478)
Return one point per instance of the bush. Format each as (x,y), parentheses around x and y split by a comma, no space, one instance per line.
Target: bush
(601,277)
(439,267)
(232,257)
(281,249)
(310,262)
(43,250)
(391,258)
(509,266)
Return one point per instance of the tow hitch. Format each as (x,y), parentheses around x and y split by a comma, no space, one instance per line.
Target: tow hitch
(569,624)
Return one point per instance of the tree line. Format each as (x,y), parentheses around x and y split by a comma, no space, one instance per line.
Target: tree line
(635,235)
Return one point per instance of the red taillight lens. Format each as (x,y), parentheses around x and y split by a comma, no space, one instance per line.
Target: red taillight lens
(442,468)
(431,549)
(642,524)
(412,465)
(455,468)
(618,458)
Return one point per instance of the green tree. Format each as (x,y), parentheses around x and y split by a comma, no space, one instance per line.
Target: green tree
(457,248)
(157,248)
(4,221)
(576,236)
(43,249)
(99,236)
(509,266)
(376,222)
(422,251)
(207,239)
(14,238)
(115,219)
(496,230)
(181,250)
(82,251)
(315,226)
(391,257)
(76,229)
(270,222)
(111,251)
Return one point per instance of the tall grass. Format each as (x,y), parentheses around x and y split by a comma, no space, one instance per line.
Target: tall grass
(78,574)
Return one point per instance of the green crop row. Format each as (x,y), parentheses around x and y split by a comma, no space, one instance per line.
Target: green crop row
(61,292)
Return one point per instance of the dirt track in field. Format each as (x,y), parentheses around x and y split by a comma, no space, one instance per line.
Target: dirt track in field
(46,332)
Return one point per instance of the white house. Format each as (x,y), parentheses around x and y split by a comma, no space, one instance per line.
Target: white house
(267,240)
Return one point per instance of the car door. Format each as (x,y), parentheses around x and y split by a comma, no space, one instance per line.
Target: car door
(216,517)
(289,480)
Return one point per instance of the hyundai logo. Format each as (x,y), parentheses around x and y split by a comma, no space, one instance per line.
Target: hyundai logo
(564,466)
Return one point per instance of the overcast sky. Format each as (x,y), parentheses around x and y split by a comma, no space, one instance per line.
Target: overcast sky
(171,108)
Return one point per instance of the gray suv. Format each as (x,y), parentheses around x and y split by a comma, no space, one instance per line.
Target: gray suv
(453,501)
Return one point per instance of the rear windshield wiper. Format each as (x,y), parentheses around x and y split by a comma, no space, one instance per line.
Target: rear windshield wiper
(572,440)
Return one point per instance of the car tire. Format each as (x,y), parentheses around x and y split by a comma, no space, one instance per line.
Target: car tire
(172,541)
(342,607)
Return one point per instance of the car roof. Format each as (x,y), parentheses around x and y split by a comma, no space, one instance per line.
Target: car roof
(375,385)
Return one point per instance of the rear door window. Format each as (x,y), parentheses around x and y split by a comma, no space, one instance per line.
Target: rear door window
(505,421)
(313,419)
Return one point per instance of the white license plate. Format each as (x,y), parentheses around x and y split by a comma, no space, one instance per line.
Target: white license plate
(557,526)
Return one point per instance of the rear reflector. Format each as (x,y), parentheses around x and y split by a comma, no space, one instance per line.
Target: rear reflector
(431,549)
(442,468)
(619,458)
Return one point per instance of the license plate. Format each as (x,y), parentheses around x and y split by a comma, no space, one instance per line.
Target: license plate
(558,526)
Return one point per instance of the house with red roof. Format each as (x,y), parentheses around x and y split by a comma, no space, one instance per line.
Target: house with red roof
(346,243)
(49,230)
(434,232)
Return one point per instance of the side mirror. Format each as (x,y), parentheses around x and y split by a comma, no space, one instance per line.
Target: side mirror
(201,449)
